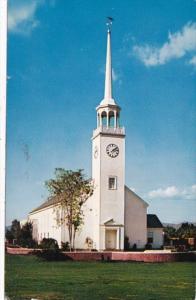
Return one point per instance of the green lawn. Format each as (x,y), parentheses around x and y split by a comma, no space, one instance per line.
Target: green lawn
(27,277)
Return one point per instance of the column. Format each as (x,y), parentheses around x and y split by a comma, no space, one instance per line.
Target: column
(98,120)
(115,119)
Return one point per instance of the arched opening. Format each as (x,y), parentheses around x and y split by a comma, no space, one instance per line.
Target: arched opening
(104,118)
(111,119)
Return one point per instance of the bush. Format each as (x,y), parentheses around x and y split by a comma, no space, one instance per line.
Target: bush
(50,250)
(28,243)
(49,244)
(126,243)
(65,246)
(148,246)
(134,248)
(51,255)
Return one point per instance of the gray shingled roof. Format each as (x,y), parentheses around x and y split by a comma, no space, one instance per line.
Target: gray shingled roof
(51,201)
(48,202)
(153,221)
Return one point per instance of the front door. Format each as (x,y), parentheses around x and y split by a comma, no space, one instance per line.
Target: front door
(110,239)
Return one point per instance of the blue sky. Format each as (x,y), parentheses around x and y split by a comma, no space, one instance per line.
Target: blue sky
(56,61)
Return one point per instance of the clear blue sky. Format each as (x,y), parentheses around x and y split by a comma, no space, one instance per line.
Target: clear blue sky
(56,60)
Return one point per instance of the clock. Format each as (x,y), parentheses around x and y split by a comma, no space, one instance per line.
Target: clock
(95,152)
(112,150)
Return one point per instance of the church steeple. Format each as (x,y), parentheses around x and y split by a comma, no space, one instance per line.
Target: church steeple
(108,73)
(108,166)
(108,112)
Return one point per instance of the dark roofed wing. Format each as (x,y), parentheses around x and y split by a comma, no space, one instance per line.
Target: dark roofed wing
(153,221)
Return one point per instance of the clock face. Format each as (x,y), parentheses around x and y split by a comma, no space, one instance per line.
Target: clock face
(95,152)
(112,150)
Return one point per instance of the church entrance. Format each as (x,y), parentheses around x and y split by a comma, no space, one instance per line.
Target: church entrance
(110,239)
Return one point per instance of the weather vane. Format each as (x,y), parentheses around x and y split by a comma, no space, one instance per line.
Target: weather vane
(109,23)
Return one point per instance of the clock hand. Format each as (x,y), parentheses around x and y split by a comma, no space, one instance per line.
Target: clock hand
(114,150)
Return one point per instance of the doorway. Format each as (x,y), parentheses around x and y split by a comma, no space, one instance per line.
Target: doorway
(110,239)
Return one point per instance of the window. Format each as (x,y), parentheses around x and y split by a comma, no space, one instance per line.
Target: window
(112,183)
(150,237)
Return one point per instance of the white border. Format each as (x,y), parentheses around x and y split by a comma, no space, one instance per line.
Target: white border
(3,82)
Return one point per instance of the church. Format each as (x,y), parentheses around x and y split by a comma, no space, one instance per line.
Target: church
(114,212)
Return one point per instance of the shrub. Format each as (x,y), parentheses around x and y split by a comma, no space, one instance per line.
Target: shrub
(148,246)
(65,246)
(51,255)
(50,250)
(28,243)
(134,248)
(49,244)
(126,243)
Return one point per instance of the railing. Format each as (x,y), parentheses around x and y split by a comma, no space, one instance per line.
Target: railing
(109,130)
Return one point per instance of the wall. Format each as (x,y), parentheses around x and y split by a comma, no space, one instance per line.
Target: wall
(135,219)
(117,256)
(112,201)
(45,225)
(96,165)
(108,204)
(87,228)
(157,237)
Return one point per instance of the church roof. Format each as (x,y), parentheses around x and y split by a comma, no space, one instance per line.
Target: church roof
(153,221)
(52,200)
(49,202)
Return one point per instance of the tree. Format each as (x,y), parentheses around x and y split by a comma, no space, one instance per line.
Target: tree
(14,232)
(26,235)
(21,234)
(9,236)
(70,190)
(187,230)
(170,232)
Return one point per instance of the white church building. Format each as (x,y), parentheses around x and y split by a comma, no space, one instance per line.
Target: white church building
(114,211)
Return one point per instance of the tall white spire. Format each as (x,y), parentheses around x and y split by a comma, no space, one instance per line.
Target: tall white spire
(108,70)
(108,112)
(108,74)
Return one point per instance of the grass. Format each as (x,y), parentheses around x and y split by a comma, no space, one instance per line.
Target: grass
(27,277)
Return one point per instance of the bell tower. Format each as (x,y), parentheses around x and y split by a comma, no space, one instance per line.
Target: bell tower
(108,167)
